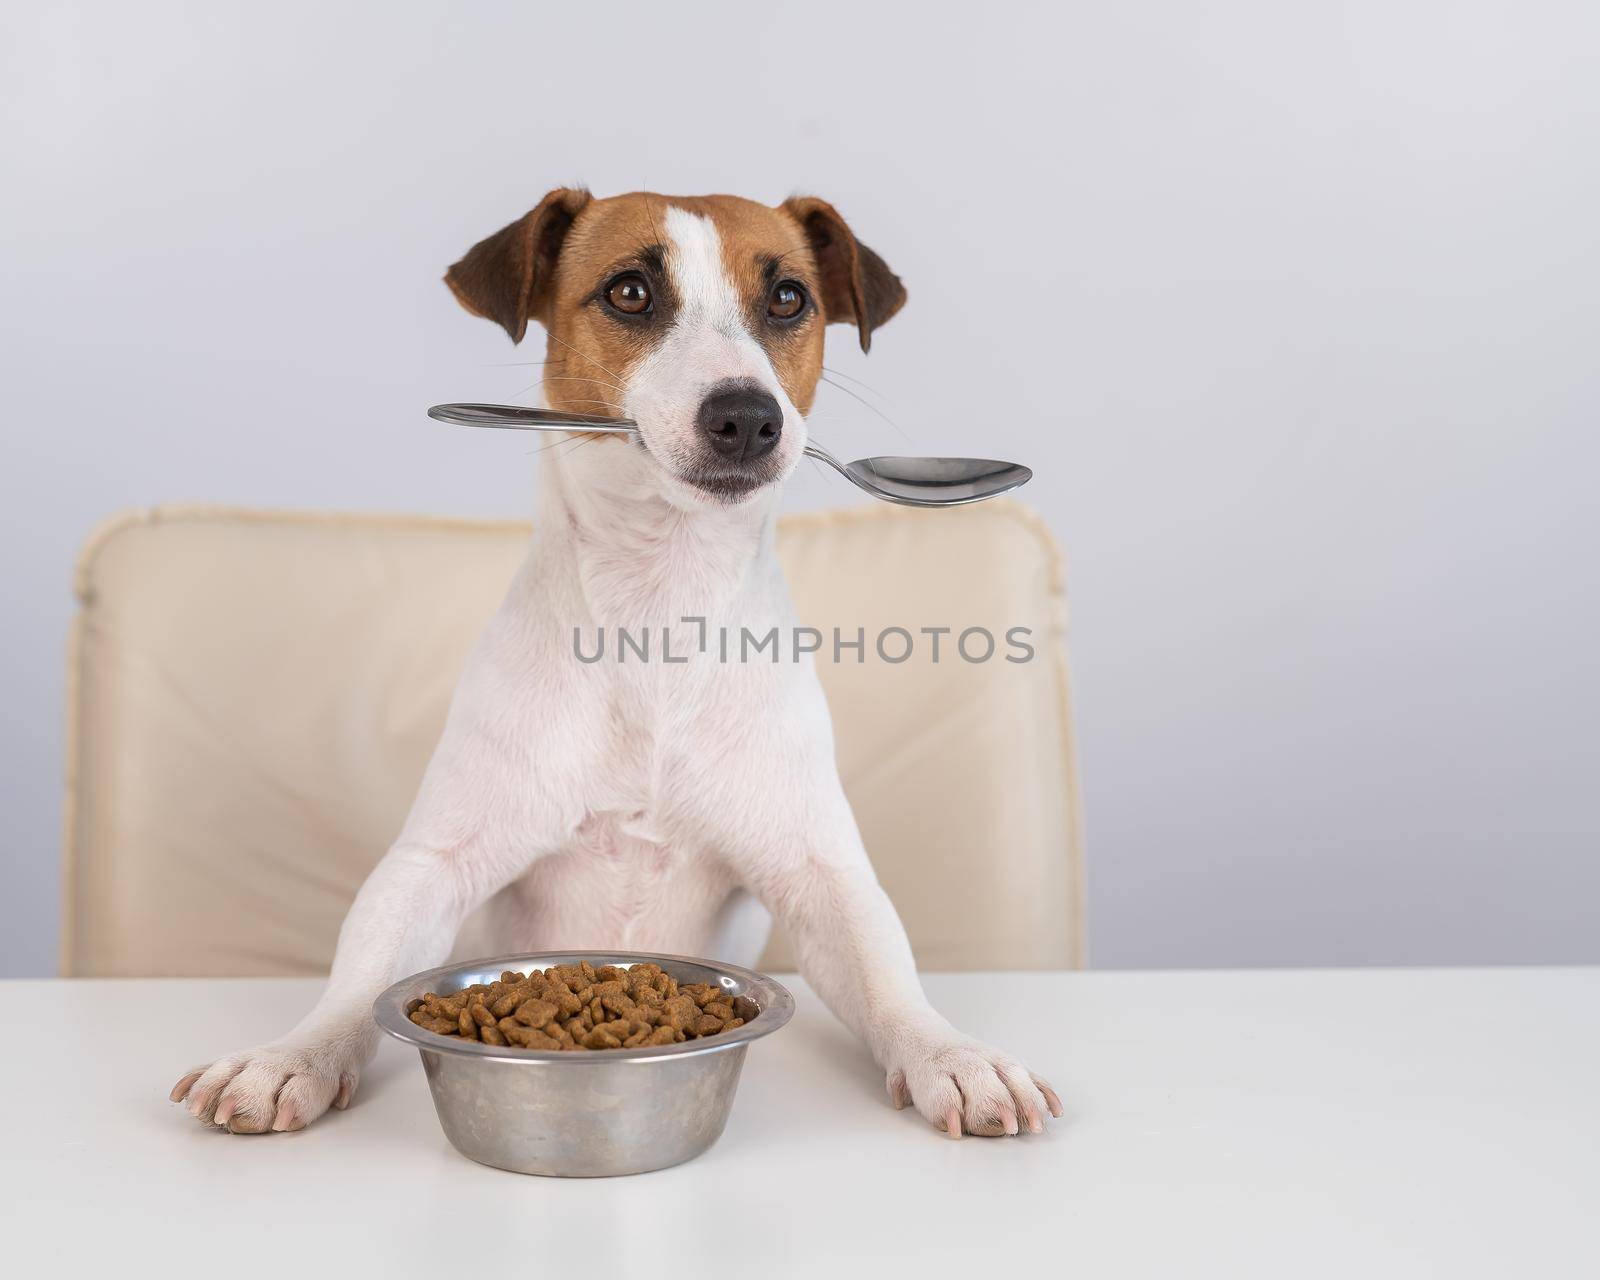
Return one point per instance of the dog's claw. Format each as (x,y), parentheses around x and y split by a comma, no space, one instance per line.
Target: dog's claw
(952,1122)
(1056,1109)
(897,1090)
(180,1091)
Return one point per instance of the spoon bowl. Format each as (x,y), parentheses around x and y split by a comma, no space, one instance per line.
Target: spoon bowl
(911,482)
(930,482)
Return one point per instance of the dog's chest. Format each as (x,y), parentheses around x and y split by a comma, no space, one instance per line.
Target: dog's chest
(625,858)
(618,884)
(637,860)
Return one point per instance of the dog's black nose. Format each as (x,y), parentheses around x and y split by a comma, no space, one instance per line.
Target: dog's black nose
(742,423)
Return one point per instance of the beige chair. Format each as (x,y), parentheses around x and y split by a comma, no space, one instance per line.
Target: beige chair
(254,696)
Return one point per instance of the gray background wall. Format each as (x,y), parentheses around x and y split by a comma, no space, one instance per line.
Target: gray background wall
(1293,307)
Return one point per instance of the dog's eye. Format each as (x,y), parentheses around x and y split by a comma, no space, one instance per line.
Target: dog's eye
(629,294)
(787,301)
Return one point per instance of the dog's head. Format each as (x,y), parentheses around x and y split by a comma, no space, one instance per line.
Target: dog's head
(701,319)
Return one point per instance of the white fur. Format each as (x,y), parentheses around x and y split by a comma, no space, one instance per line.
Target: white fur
(637,806)
(709,343)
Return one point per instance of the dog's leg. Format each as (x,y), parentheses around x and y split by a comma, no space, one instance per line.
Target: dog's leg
(814,875)
(403,920)
(481,819)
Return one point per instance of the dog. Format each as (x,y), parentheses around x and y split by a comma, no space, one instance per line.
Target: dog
(674,806)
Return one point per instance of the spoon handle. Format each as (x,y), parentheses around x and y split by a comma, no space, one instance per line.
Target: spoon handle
(519,419)
(822,455)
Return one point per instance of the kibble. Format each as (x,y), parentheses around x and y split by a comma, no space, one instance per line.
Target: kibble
(576,1007)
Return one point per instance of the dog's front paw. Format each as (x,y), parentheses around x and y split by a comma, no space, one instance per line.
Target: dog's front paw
(277,1087)
(962,1086)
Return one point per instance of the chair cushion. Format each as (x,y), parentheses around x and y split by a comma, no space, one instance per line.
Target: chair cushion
(252,709)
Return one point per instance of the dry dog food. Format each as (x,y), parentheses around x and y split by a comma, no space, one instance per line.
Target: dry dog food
(576,1006)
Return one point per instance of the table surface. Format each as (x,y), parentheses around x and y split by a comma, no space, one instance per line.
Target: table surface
(1376,1123)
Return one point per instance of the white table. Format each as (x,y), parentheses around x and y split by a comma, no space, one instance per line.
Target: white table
(1282,1124)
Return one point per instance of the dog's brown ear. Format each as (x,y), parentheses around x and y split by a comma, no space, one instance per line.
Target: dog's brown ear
(857,284)
(508,277)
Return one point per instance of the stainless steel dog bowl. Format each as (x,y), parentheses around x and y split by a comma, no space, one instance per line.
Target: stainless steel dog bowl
(592,1114)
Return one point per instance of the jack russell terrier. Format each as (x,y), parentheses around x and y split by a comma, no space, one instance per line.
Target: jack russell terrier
(662,806)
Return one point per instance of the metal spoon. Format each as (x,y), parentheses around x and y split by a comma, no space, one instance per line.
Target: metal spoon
(912,482)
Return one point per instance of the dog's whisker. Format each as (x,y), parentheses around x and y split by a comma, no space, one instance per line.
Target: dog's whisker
(609,404)
(567,378)
(862,400)
(586,356)
(586,377)
(589,438)
(578,439)
(580,377)
(839,373)
(558,363)
(566,438)
(548,445)
(566,396)
(565,399)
